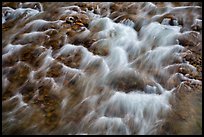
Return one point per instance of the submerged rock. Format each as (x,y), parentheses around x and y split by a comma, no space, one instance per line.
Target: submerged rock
(126,81)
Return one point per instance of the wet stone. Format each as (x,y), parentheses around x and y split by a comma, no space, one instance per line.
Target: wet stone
(19,73)
(30,54)
(94,66)
(13,5)
(191,38)
(72,60)
(10,60)
(9,105)
(32,5)
(39,74)
(100,50)
(39,61)
(28,91)
(126,81)
(55,70)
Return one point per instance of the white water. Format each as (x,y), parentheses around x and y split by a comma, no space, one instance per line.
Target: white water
(131,99)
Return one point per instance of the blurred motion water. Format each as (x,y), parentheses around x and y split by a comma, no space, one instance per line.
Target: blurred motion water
(101,68)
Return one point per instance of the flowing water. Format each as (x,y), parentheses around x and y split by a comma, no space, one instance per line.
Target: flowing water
(94,68)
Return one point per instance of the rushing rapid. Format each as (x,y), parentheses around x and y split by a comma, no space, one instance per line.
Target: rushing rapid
(96,68)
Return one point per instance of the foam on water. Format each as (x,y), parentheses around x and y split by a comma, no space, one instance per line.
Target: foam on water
(134,103)
(147,110)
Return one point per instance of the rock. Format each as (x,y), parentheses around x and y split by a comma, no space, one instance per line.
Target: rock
(39,25)
(13,5)
(55,70)
(73,59)
(94,66)
(9,60)
(174,80)
(190,38)
(197,26)
(82,18)
(99,49)
(184,87)
(19,73)
(170,21)
(28,91)
(32,5)
(126,81)
(71,80)
(9,105)
(31,38)
(55,43)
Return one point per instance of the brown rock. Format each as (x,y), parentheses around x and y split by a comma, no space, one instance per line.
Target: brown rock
(191,38)
(126,81)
